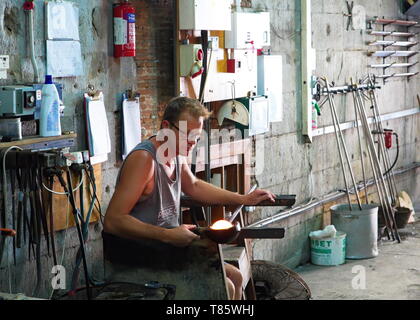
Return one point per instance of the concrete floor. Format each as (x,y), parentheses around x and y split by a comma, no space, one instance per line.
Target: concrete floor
(394,274)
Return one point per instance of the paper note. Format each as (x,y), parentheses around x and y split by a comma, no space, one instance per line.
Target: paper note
(64,58)
(62,21)
(98,131)
(131,125)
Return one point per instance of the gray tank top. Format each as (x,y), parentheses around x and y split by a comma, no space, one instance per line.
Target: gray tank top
(162,206)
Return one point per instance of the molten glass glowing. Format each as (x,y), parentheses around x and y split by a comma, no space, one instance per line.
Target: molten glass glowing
(221,224)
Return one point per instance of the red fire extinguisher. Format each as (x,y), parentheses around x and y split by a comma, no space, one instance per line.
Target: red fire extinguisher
(388,138)
(124,30)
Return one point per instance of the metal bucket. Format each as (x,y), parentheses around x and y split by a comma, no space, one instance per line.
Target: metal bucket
(361,227)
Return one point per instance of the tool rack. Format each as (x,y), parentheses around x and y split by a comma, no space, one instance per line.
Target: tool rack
(400,40)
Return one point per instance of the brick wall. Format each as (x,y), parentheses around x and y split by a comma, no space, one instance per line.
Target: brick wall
(155,27)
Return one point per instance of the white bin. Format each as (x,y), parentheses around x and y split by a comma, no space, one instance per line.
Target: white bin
(329,251)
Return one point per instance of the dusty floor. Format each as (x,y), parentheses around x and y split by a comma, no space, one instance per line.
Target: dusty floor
(394,274)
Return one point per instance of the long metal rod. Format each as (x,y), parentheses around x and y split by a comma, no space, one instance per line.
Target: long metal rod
(339,149)
(360,145)
(375,174)
(386,153)
(334,196)
(381,147)
(385,158)
(382,184)
(337,122)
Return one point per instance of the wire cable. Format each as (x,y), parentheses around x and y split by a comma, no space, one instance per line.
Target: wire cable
(65,193)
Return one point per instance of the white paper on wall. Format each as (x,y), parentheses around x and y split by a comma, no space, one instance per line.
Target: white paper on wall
(131,125)
(98,131)
(62,21)
(64,58)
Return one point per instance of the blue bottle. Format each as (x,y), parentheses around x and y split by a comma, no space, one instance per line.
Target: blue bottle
(49,120)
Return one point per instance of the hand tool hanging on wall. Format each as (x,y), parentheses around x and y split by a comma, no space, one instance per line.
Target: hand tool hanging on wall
(68,189)
(88,168)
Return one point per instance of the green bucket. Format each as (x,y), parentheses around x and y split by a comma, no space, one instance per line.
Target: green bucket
(329,251)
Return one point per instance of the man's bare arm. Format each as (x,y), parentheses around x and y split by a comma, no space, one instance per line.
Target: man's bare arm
(207,193)
(136,174)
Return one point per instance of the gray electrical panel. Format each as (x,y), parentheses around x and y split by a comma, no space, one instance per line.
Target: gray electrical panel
(22,100)
(18,100)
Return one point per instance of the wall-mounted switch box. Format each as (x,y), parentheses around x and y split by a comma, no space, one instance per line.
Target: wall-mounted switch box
(191,60)
(4,62)
(249,30)
(4,65)
(204,14)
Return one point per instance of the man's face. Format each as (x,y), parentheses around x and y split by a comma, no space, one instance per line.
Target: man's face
(187,131)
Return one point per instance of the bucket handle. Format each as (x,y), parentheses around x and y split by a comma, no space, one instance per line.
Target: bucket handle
(350,217)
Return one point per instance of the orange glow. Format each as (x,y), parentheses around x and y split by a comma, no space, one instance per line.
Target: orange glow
(221,224)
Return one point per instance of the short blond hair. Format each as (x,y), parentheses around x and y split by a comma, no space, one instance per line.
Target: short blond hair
(178,105)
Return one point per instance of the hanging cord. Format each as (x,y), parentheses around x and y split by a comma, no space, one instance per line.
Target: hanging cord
(76,214)
(396,156)
(85,227)
(65,193)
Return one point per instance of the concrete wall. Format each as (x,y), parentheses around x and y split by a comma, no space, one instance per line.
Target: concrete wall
(313,170)
(290,167)
(101,70)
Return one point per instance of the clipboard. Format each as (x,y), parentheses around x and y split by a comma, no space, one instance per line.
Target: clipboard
(130,122)
(97,135)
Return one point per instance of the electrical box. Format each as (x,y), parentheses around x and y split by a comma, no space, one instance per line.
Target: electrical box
(270,84)
(204,14)
(258,108)
(4,65)
(263,36)
(18,100)
(191,60)
(22,100)
(249,30)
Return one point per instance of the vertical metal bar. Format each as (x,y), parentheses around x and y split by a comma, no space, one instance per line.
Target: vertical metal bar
(374,170)
(334,111)
(379,170)
(338,144)
(360,144)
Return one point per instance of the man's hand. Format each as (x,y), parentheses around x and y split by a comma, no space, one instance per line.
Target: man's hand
(181,236)
(257,196)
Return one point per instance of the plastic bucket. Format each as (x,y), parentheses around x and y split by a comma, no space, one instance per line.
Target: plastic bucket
(402,215)
(329,251)
(361,227)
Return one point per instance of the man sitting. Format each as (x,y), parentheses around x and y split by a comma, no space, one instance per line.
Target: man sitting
(146,201)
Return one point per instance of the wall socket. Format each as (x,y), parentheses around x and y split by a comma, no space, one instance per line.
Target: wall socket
(214,43)
(4,65)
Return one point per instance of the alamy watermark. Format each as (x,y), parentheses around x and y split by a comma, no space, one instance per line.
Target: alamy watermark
(226,143)
(359,280)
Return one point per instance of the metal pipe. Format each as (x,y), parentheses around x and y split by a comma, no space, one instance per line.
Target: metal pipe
(337,122)
(375,174)
(339,149)
(360,143)
(371,144)
(377,117)
(328,198)
(32,45)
